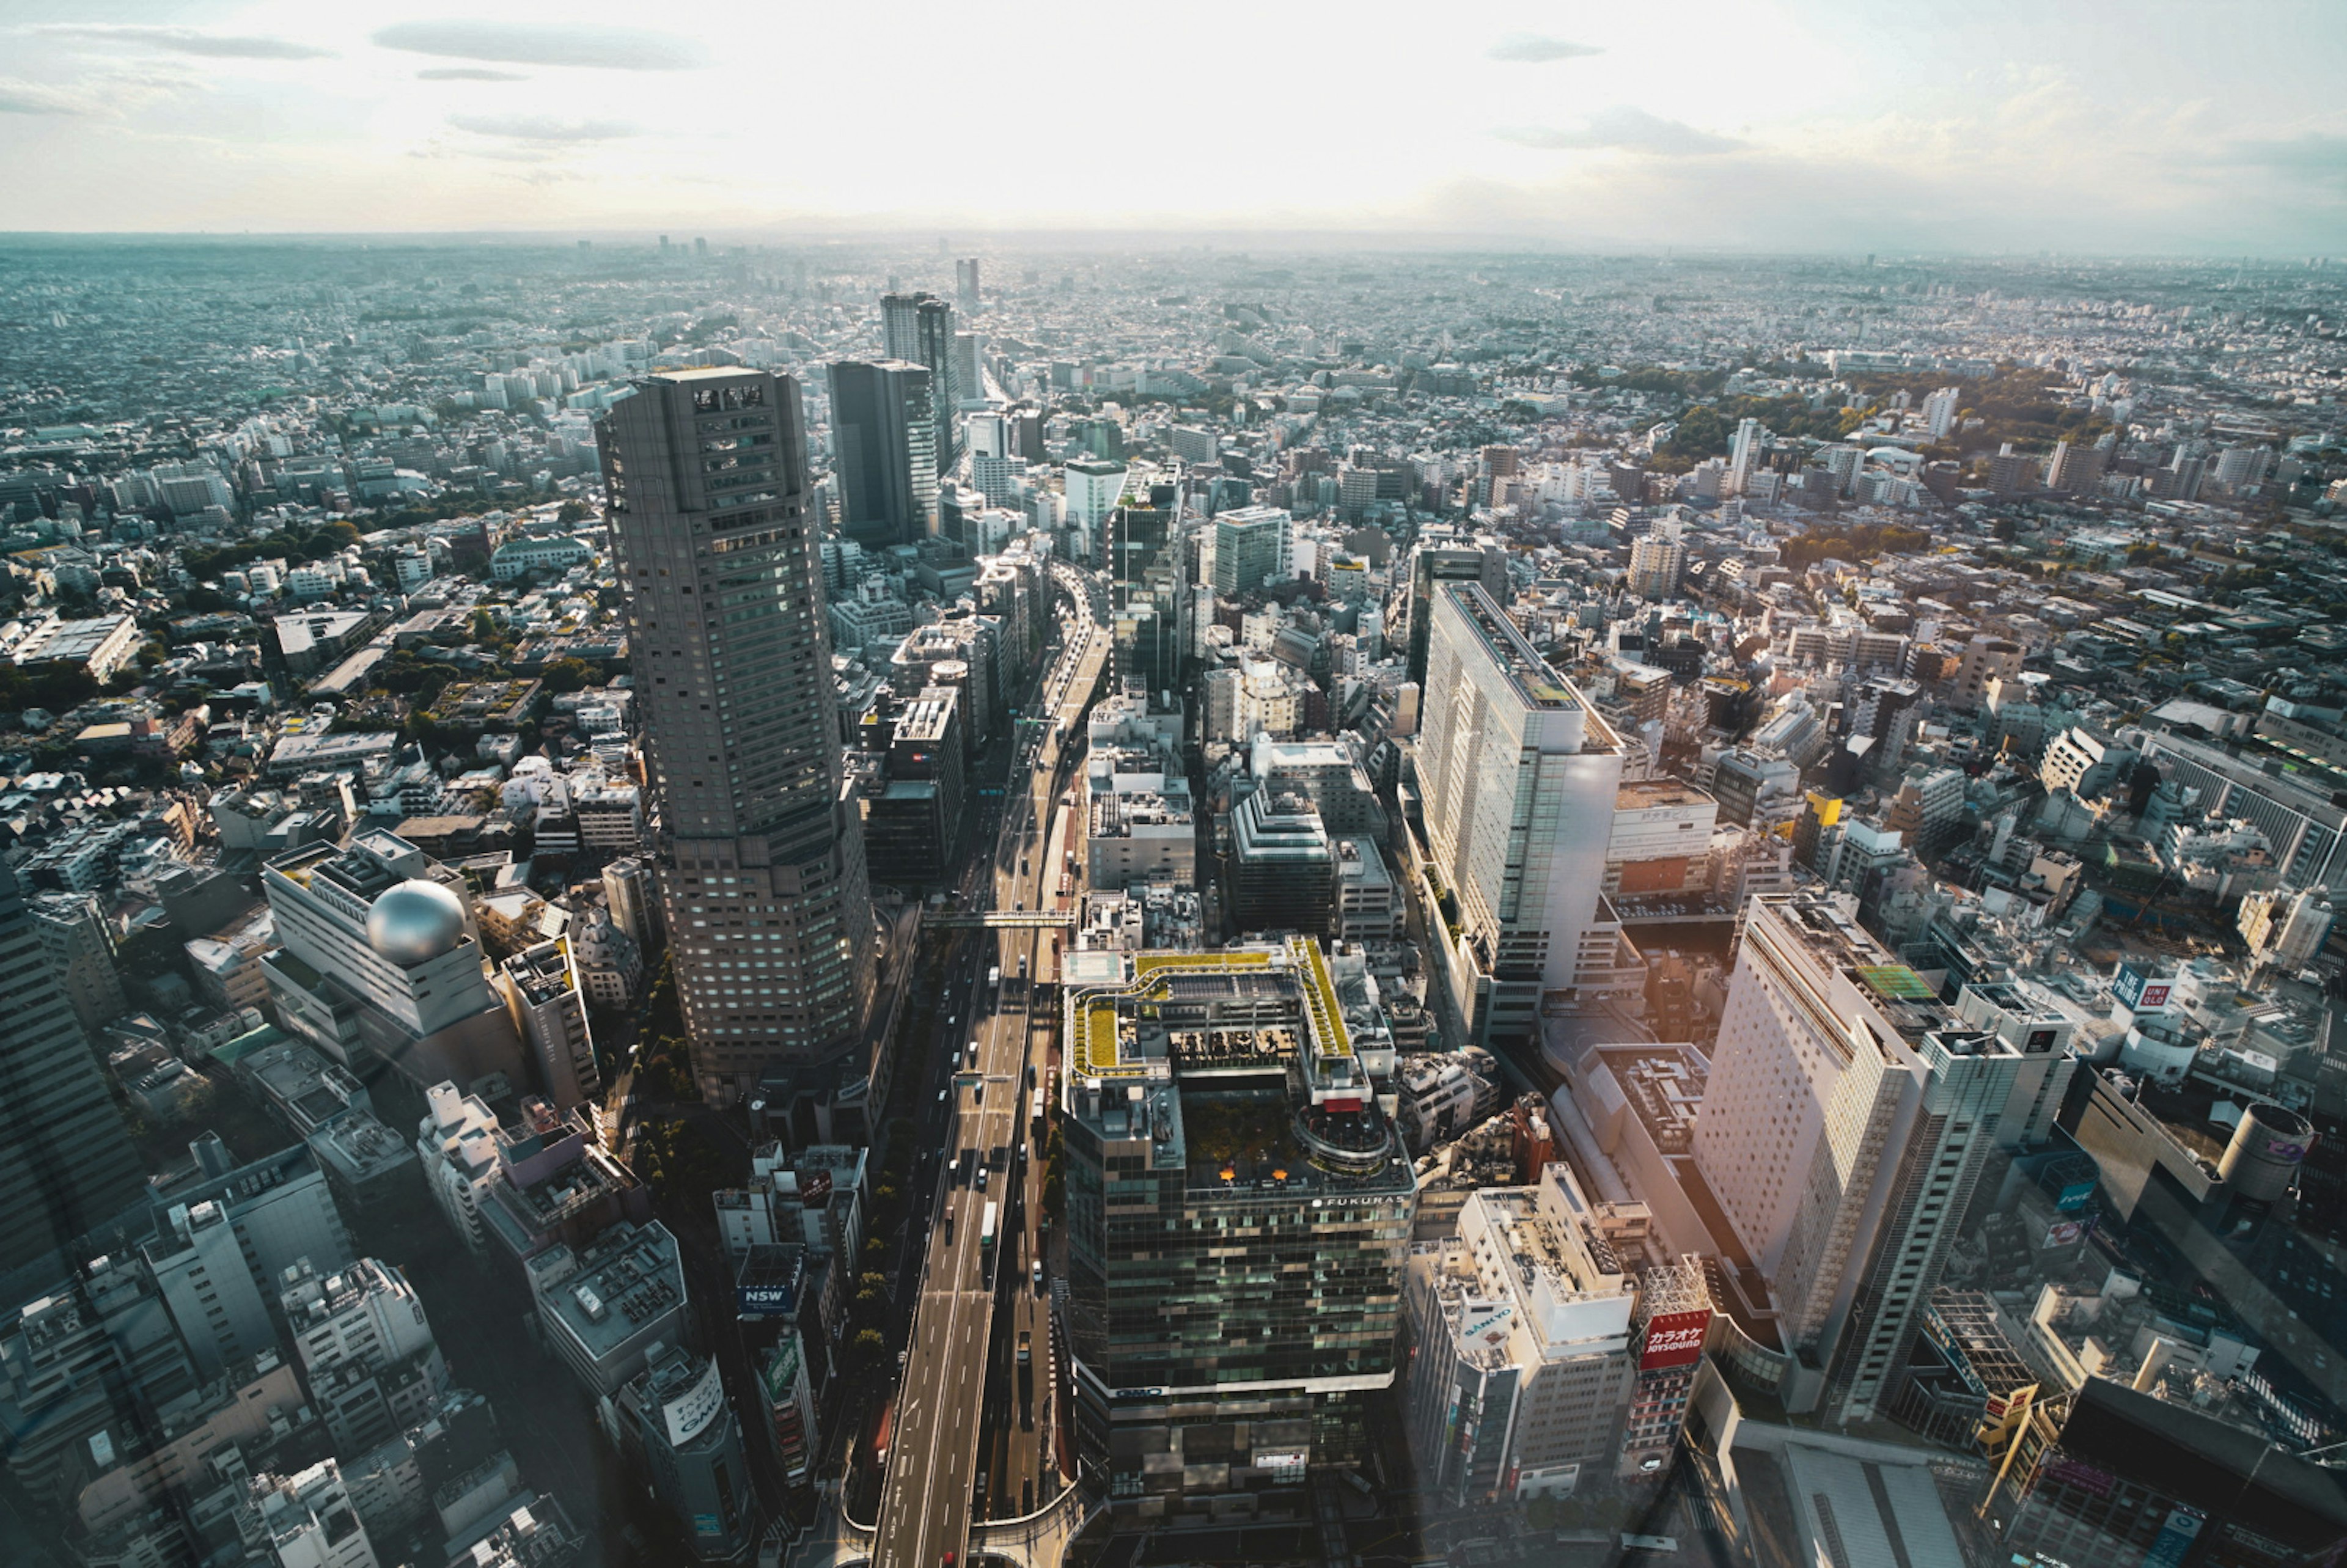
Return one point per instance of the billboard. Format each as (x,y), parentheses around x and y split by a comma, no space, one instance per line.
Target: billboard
(1673,1339)
(2064,1233)
(815,1192)
(2138,993)
(763,1301)
(1487,1321)
(782,1372)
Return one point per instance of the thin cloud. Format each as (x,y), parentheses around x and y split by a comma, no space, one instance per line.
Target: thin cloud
(2313,155)
(1533,49)
(1623,128)
(184,41)
(543,129)
(34,97)
(529,44)
(467,74)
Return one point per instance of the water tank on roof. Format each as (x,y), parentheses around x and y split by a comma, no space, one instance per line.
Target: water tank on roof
(2265,1154)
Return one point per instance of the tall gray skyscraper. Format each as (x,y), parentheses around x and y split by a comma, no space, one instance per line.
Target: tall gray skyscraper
(920,328)
(884,442)
(761,866)
(66,1161)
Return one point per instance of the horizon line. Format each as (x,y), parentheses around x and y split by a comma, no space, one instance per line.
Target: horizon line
(1194,238)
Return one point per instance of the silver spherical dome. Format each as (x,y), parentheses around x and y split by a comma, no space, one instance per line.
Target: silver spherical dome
(413,922)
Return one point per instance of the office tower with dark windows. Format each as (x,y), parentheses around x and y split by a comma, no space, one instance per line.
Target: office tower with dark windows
(1254,546)
(1447,555)
(884,450)
(920,328)
(913,801)
(65,1156)
(760,859)
(1283,865)
(1149,582)
(1239,1206)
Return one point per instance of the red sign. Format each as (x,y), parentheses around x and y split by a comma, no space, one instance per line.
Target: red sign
(1673,1339)
(817,1191)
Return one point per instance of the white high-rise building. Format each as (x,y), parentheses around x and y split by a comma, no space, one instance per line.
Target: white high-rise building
(1940,412)
(1519,776)
(208,1284)
(1743,453)
(1848,1117)
(1091,486)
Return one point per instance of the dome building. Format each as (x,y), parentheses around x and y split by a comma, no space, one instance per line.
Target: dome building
(380,962)
(415,922)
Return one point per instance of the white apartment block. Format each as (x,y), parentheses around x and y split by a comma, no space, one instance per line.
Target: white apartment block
(457,1144)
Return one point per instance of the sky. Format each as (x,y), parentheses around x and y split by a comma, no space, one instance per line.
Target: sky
(1998,125)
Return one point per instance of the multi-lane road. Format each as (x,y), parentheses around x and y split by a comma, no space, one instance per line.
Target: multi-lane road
(935,1456)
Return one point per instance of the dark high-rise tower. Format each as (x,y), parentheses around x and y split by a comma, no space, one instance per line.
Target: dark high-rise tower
(920,328)
(760,867)
(65,1157)
(884,436)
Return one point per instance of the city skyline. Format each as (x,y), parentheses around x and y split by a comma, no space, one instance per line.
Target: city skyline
(1795,127)
(666,900)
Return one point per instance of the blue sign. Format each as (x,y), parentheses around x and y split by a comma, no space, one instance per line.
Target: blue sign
(2176,1538)
(764,1300)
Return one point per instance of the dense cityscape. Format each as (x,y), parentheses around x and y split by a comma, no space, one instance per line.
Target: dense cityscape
(917,901)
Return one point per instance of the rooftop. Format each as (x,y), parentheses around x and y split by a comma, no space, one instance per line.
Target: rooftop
(630,1277)
(1537,685)
(1649,795)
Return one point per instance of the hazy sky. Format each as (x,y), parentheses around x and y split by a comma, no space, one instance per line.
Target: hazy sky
(2075,125)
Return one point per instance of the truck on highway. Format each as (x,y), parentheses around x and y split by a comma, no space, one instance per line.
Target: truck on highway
(986,1239)
(994,979)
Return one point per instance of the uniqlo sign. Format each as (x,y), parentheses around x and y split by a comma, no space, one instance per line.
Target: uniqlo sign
(1673,1339)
